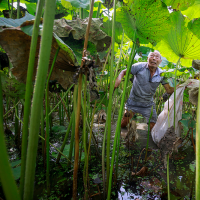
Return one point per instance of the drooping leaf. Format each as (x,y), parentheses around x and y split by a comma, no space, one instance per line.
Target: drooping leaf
(180,42)
(17,46)
(179,4)
(149,19)
(7,22)
(193,11)
(63,28)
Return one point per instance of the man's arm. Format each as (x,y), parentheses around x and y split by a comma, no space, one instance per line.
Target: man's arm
(119,78)
(168,88)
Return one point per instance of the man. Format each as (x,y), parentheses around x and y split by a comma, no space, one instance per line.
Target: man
(146,80)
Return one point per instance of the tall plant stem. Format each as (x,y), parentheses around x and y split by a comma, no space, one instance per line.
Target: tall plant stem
(18,9)
(197,191)
(47,121)
(85,138)
(110,93)
(168,189)
(43,65)
(6,176)
(118,128)
(98,11)
(65,139)
(147,146)
(79,107)
(177,64)
(27,106)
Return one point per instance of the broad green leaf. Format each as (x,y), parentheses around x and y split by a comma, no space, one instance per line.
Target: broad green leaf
(193,11)
(186,116)
(180,42)
(149,19)
(179,4)
(4,5)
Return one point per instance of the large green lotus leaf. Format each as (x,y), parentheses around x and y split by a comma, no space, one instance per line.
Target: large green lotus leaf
(149,19)
(193,11)
(180,42)
(179,4)
(63,28)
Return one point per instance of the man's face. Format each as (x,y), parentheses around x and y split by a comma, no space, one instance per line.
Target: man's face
(154,59)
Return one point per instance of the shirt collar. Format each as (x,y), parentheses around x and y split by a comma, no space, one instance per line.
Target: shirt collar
(158,70)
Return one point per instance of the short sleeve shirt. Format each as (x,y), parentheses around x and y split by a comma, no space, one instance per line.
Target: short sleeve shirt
(144,87)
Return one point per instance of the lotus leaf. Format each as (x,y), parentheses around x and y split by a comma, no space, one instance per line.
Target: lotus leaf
(80,3)
(179,4)
(180,42)
(15,22)
(77,28)
(194,26)
(149,19)
(193,11)
(18,47)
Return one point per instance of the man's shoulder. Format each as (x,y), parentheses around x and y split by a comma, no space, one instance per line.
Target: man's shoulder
(140,64)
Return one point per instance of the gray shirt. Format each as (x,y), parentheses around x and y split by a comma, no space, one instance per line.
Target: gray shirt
(144,87)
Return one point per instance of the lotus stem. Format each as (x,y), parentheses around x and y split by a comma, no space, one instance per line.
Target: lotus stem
(29,90)
(168,188)
(47,122)
(197,191)
(43,65)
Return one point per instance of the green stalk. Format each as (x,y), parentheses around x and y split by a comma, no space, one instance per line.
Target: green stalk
(197,191)
(11,15)
(27,106)
(18,9)
(110,93)
(43,65)
(148,133)
(6,176)
(177,64)
(65,139)
(42,130)
(118,128)
(47,122)
(16,121)
(85,138)
(73,123)
(168,188)
(75,174)
(98,11)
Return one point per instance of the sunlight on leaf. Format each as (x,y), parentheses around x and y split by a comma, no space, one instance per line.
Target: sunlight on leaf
(180,42)
(149,19)
(193,11)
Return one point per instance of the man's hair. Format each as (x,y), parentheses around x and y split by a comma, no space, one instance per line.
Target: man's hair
(157,52)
